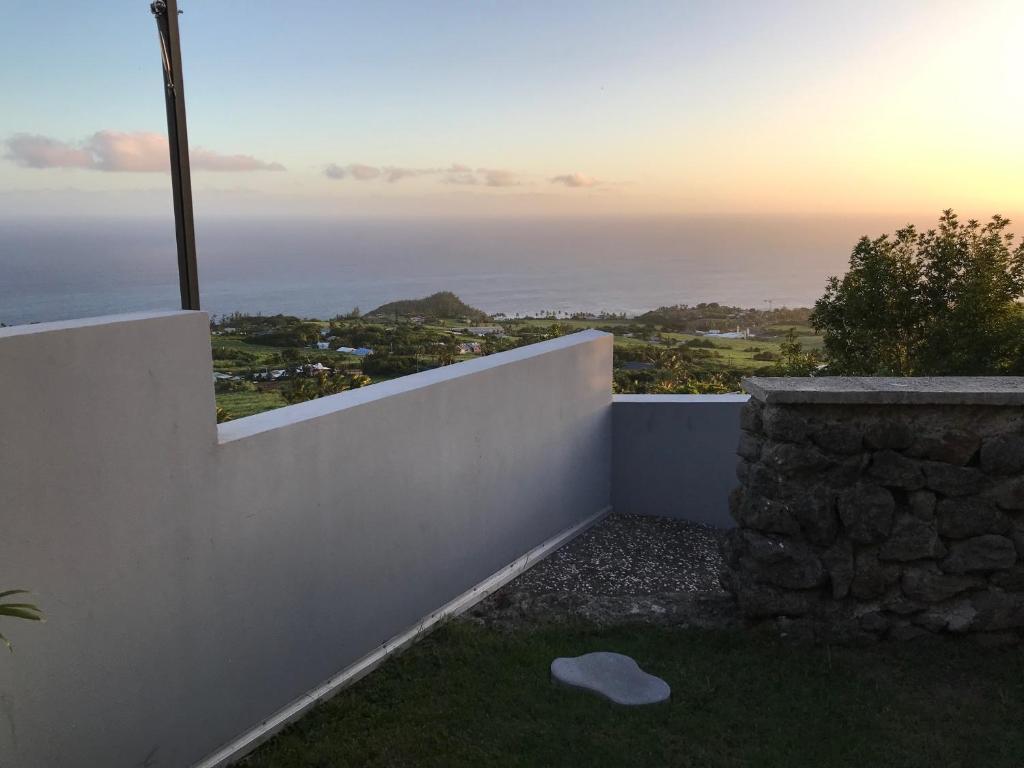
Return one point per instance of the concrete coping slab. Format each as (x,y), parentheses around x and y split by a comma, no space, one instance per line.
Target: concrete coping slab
(616,677)
(864,390)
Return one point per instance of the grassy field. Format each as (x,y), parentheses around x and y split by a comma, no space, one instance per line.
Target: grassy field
(729,353)
(469,696)
(716,367)
(241,404)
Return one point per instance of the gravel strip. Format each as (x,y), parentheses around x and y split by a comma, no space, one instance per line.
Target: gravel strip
(630,555)
(512,611)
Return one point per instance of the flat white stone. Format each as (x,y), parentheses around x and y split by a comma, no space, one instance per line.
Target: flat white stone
(616,677)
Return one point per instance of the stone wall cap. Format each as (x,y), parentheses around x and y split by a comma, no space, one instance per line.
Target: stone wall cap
(864,390)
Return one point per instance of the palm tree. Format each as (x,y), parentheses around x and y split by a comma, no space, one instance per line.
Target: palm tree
(17,611)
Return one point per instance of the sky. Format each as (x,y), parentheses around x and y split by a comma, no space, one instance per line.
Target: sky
(520,108)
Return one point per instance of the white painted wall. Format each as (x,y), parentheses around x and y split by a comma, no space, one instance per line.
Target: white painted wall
(196,579)
(675,455)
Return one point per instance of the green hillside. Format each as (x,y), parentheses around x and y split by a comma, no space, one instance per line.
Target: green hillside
(444,304)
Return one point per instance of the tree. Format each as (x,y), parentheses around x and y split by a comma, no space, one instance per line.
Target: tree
(447,350)
(973,280)
(322,384)
(26,611)
(942,302)
(793,360)
(871,318)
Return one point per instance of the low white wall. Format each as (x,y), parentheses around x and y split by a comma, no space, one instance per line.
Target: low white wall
(675,455)
(196,579)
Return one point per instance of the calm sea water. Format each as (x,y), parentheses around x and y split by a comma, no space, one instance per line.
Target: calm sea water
(61,269)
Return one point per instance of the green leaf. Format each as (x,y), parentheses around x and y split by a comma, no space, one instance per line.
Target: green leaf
(25,606)
(7,642)
(10,592)
(30,613)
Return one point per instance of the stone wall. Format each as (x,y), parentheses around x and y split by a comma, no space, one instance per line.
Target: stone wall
(873,513)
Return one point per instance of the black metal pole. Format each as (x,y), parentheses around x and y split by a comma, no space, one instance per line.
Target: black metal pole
(166,13)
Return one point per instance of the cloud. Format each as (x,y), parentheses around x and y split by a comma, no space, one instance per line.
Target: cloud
(361,172)
(456,173)
(494,177)
(132,152)
(389,173)
(334,171)
(575,180)
(117,152)
(397,174)
(205,160)
(356,171)
(31,151)
(461,177)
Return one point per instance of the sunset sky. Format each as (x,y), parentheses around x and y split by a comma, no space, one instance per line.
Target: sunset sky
(414,108)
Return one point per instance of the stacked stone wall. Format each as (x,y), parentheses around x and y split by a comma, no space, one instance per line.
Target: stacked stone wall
(880,521)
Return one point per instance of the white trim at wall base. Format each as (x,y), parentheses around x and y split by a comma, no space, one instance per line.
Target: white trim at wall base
(251,739)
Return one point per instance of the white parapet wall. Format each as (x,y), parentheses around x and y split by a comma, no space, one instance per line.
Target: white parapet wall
(199,579)
(675,455)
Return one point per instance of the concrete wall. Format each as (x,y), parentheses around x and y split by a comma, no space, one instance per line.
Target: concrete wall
(675,455)
(196,579)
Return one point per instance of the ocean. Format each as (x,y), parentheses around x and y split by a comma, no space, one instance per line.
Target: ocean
(61,269)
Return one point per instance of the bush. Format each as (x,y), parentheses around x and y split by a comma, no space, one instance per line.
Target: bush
(391,365)
(701,343)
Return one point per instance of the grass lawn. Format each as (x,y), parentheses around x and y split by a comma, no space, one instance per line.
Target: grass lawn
(470,696)
(242,404)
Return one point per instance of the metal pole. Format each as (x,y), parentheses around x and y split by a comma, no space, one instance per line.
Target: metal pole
(166,13)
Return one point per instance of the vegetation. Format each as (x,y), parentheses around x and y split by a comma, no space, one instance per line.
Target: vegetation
(269,361)
(793,359)
(322,384)
(440,305)
(945,301)
(17,610)
(942,302)
(715,316)
(237,405)
(469,696)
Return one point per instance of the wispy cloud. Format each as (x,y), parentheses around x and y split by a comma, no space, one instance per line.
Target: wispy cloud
(456,173)
(116,151)
(393,174)
(42,152)
(575,180)
(461,177)
(356,171)
(361,172)
(496,177)
(335,171)
(206,160)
